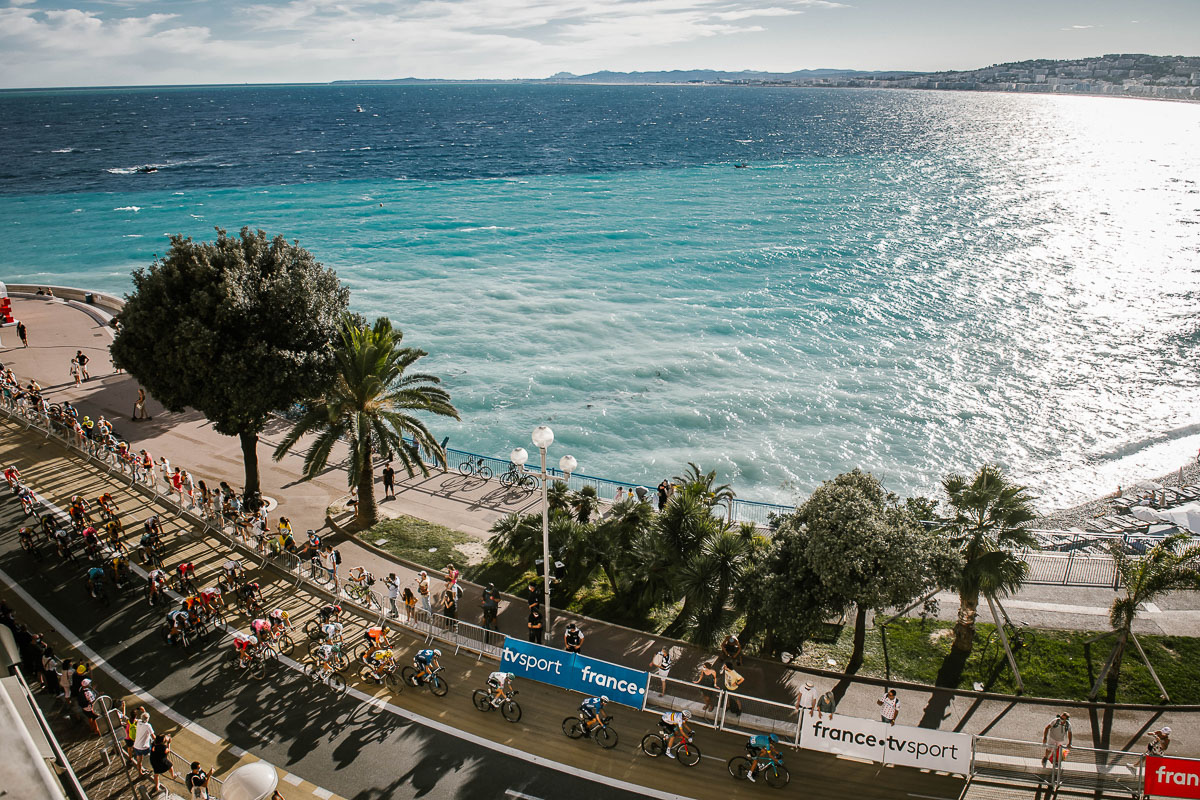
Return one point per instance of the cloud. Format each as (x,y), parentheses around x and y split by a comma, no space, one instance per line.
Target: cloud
(1077,28)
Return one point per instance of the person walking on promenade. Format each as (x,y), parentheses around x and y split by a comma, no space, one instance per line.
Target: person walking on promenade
(139,406)
(423,591)
(708,685)
(490,603)
(1056,736)
(661,664)
(807,699)
(389,482)
(160,761)
(393,589)
(572,638)
(22,333)
(535,624)
(82,360)
(889,707)
(1160,740)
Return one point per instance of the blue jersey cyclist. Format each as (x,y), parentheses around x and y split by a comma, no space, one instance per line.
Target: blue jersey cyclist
(95,580)
(762,751)
(426,661)
(589,711)
(675,725)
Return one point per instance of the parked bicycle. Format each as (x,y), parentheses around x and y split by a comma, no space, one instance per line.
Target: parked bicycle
(485,700)
(601,734)
(518,478)
(436,683)
(475,466)
(686,752)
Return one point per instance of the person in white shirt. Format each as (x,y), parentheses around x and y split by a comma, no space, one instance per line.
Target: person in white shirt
(807,699)
(141,745)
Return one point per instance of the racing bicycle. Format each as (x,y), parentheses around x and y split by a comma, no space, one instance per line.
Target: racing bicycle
(601,734)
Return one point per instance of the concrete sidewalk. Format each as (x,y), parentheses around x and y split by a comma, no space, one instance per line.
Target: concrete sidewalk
(58,329)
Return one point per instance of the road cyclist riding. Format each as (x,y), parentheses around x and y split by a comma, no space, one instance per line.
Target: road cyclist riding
(674,739)
(321,667)
(498,694)
(381,667)
(762,759)
(592,722)
(426,670)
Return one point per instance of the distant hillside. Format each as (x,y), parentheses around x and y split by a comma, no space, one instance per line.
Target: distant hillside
(715,76)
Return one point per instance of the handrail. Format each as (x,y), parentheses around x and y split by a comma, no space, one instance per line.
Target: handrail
(72,781)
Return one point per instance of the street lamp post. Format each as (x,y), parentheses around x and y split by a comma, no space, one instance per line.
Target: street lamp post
(543,437)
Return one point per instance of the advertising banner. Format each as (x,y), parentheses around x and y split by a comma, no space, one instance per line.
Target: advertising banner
(873,740)
(576,672)
(1172,777)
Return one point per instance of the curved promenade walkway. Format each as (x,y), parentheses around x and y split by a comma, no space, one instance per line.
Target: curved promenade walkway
(57,329)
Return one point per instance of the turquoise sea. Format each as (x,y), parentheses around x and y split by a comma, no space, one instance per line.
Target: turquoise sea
(907,282)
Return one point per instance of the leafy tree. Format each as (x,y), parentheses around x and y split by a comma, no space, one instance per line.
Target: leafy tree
(985,529)
(368,404)
(236,328)
(613,541)
(1172,564)
(867,549)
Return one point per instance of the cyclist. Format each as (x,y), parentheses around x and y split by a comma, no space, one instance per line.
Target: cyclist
(108,506)
(48,525)
(113,528)
(323,655)
(501,685)
(262,629)
(62,539)
(148,545)
(675,725)
(762,752)
(359,576)
(250,593)
(158,583)
(120,567)
(381,662)
(13,476)
(186,574)
(377,639)
(332,632)
(234,574)
(425,662)
(26,538)
(153,527)
(590,709)
(79,511)
(279,619)
(179,622)
(245,647)
(95,582)
(210,598)
(27,499)
(329,614)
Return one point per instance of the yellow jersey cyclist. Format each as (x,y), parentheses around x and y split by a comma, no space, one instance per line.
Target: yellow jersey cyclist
(674,725)
(425,662)
(590,710)
(380,663)
(501,685)
(762,751)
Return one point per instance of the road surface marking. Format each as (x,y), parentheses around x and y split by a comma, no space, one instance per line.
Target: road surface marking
(520,795)
(324,794)
(294,780)
(929,796)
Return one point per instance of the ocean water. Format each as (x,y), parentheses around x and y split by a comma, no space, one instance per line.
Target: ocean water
(908,282)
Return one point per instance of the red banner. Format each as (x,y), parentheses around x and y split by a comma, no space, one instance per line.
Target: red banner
(1173,777)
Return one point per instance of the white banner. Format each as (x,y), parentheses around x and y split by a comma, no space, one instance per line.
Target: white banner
(873,740)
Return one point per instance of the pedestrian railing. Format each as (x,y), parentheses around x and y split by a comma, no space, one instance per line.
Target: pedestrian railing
(1107,771)
(749,715)
(1013,761)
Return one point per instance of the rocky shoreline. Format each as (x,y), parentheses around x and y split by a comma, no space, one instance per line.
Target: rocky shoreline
(1078,516)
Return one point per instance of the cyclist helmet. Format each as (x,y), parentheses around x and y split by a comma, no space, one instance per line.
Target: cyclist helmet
(509,675)
(437,652)
(603,698)
(773,738)
(283,615)
(253,640)
(687,714)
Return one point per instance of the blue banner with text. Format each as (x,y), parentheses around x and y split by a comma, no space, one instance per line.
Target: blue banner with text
(572,671)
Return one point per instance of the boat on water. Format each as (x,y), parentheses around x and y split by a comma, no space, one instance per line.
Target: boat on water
(358,109)
(147,168)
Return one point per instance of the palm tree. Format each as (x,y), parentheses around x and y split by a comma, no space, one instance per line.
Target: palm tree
(985,529)
(705,484)
(584,503)
(367,404)
(710,578)
(1172,564)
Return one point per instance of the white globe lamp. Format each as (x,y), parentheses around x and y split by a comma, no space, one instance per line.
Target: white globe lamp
(518,456)
(543,437)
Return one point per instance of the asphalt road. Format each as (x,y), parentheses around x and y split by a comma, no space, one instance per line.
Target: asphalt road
(357,749)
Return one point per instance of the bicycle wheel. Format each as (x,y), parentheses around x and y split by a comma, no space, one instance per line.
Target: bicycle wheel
(337,683)
(351,590)
(311,672)
(572,727)
(373,601)
(687,754)
(652,745)
(409,676)
(484,472)
(606,737)
(739,767)
(465,468)
(392,681)
(482,700)
(340,661)
(284,644)
(312,630)
(438,685)
(258,668)
(360,652)
(777,776)
(507,480)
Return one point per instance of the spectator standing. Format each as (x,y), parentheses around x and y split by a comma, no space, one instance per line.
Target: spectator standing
(160,760)
(661,664)
(533,595)
(490,602)
(64,679)
(733,679)
(450,606)
(393,588)
(731,648)
(1055,736)
(139,406)
(535,624)
(1160,740)
(142,741)
(664,491)
(807,700)
(889,707)
(389,482)
(423,590)
(452,576)
(410,604)
(708,685)
(572,638)
(22,333)
(75,373)
(82,359)
(621,493)
(329,561)
(197,781)
(826,704)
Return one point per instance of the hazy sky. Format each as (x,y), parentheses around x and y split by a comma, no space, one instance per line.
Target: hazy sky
(121,42)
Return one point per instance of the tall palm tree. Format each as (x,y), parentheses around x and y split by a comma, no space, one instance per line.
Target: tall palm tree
(368,404)
(985,529)
(710,579)
(1172,564)
(705,483)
